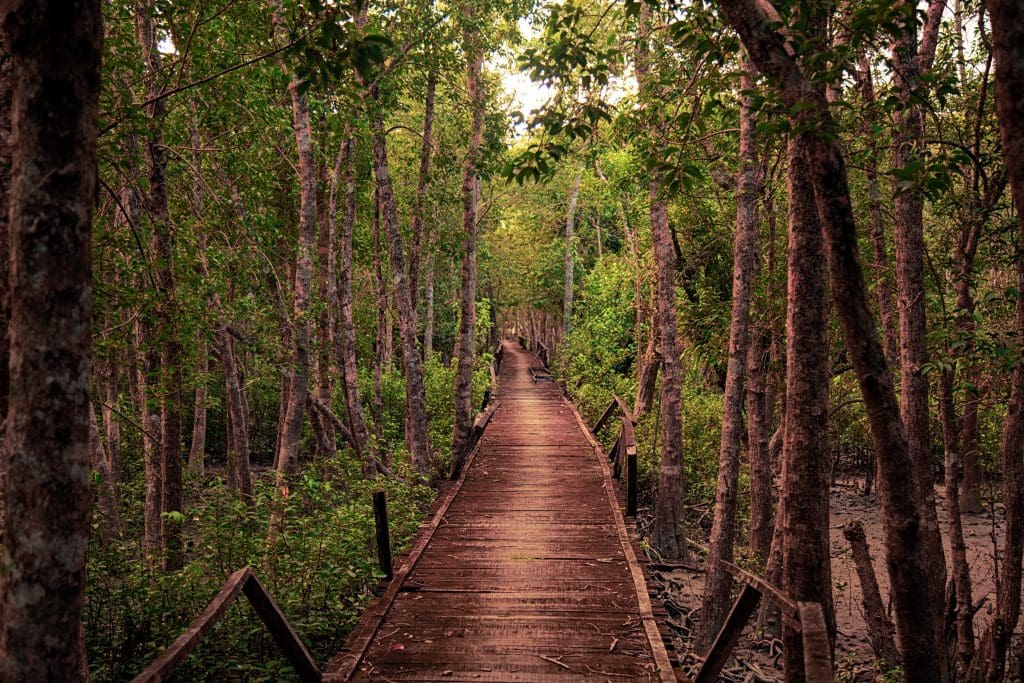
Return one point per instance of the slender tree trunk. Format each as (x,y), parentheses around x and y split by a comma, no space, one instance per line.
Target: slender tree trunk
(422,186)
(107,489)
(717,586)
(416,435)
(197,452)
(111,426)
(648,379)
(380,357)
(1008,50)
(668,534)
(570,226)
(909,65)
(880,263)
(346,339)
(909,558)
(150,424)
(880,628)
(961,582)
(166,329)
(428,313)
(55,76)
(295,412)
(327,292)
(467,299)
(762,493)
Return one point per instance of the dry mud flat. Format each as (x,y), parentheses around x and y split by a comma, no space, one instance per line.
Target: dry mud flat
(757,658)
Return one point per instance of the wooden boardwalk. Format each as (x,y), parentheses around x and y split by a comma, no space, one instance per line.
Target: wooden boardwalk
(525,572)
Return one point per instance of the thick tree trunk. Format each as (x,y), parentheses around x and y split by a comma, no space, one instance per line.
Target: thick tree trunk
(806,561)
(6,90)
(166,328)
(1008,50)
(908,554)
(467,294)
(570,228)
(718,584)
(55,76)
(345,349)
(668,533)
(416,434)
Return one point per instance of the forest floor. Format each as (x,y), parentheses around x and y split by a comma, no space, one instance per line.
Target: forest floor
(757,658)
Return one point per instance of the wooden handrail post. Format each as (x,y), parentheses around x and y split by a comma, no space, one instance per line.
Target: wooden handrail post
(631,481)
(380,518)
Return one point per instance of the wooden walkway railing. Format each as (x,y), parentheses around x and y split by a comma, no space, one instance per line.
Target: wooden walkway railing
(805,617)
(624,449)
(242,581)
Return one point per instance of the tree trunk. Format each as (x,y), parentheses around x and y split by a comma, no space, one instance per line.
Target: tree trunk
(718,584)
(668,534)
(880,264)
(197,452)
(416,435)
(1008,50)
(762,492)
(6,90)
(422,185)
(380,357)
(806,561)
(961,583)
(327,292)
(648,379)
(910,64)
(467,297)
(345,341)
(428,312)
(570,226)
(55,76)
(880,628)
(909,558)
(111,426)
(150,424)
(107,489)
(166,328)
(291,434)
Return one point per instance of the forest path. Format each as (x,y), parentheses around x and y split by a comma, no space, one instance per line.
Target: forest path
(525,573)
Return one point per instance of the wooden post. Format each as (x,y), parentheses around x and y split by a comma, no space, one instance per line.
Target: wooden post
(380,518)
(631,481)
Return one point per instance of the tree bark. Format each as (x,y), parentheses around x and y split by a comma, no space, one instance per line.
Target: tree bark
(806,561)
(718,584)
(55,52)
(6,90)
(570,227)
(416,434)
(910,64)
(668,534)
(422,186)
(107,489)
(463,423)
(880,628)
(762,493)
(346,339)
(908,554)
(1008,50)
(197,452)
(327,292)
(166,328)
(291,434)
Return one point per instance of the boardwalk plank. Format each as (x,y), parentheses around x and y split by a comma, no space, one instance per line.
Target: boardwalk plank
(526,572)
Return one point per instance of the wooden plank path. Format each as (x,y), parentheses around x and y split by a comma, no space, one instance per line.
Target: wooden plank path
(525,572)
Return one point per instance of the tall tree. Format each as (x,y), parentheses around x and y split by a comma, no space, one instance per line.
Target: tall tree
(1008,50)
(168,360)
(744,270)
(467,293)
(55,50)
(908,557)
(668,534)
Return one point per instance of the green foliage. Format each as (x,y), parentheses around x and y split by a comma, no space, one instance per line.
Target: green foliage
(321,577)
